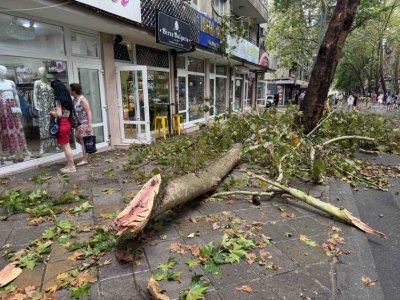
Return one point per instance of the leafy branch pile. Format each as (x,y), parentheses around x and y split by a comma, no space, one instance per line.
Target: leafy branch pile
(274,141)
(38,203)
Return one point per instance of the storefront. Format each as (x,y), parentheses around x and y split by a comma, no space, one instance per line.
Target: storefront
(143,91)
(218,89)
(243,80)
(36,51)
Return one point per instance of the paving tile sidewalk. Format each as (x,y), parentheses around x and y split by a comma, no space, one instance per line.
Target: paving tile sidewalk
(294,270)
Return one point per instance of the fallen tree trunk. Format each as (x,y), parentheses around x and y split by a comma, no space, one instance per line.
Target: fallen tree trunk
(149,203)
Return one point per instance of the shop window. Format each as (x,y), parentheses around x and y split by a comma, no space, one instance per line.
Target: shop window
(261,90)
(196,65)
(181,62)
(84,44)
(196,97)
(30,36)
(35,99)
(220,95)
(158,87)
(212,68)
(221,70)
(219,6)
(152,57)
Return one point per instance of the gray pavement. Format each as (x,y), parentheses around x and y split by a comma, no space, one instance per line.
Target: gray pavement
(292,270)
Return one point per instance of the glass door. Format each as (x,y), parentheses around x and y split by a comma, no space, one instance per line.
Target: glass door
(212,97)
(90,77)
(248,85)
(183,97)
(237,93)
(134,104)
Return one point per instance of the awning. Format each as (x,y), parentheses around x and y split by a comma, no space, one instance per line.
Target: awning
(303,84)
(284,82)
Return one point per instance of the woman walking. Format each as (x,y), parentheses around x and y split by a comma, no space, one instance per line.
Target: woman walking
(63,110)
(84,114)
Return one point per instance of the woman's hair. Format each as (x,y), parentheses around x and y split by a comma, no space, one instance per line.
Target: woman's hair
(62,95)
(76,87)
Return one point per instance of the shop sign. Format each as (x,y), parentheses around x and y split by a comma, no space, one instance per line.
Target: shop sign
(209,32)
(243,49)
(173,32)
(264,58)
(128,9)
(251,76)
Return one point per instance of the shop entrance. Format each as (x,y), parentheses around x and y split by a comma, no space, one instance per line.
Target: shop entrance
(91,79)
(134,104)
(238,90)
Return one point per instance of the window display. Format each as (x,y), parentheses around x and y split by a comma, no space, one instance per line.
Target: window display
(196,97)
(158,86)
(238,87)
(26,105)
(220,95)
(261,93)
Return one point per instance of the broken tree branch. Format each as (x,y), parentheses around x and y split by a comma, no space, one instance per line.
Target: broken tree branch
(349,137)
(248,193)
(316,155)
(341,214)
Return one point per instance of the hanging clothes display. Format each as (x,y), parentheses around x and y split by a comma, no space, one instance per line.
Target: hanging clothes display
(12,133)
(45,99)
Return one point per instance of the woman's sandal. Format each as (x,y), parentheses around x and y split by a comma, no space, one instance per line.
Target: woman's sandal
(68,170)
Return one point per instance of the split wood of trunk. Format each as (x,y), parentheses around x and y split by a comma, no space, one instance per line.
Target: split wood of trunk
(134,218)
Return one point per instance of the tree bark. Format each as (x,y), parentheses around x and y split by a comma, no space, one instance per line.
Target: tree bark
(149,203)
(381,73)
(327,60)
(396,71)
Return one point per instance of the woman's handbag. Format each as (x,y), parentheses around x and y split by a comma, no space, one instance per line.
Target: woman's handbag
(54,127)
(90,143)
(73,119)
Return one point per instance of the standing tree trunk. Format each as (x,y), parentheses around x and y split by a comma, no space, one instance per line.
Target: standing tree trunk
(381,72)
(326,62)
(396,71)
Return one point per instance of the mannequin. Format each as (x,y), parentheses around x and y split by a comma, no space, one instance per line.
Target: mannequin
(43,102)
(12,132)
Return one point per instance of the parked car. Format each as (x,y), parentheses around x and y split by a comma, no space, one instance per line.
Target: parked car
(269,102)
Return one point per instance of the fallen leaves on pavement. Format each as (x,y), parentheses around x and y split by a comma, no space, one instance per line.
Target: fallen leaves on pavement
(155,290)
(123,256)
(245,288)
(78,255)
(368,281)
(9,273)
(307,241)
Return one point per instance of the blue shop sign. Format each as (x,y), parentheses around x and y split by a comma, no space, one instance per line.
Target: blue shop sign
(209,32)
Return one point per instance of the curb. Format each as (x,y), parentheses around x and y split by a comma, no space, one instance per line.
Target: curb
(349,269)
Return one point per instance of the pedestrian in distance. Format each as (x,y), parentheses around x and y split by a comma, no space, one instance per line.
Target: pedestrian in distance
(368,103)
(340,98)
(350,102)
(355,101)
(396,102)
(63,110)
(276,100)
(84,114)
(388,102)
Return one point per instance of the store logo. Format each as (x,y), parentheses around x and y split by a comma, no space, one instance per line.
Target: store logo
(176,26)
(123,2)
